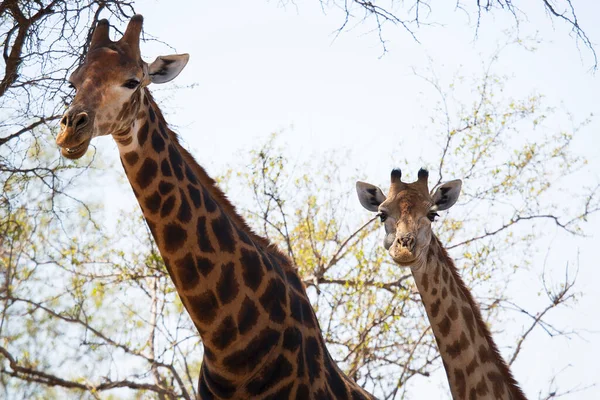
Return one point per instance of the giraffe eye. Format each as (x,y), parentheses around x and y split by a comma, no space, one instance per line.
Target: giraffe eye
(431,216)
(131,84)
(382,216)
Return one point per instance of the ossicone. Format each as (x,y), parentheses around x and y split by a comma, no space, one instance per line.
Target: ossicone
(423,177)
(100,35)
(133,31)
(396,175)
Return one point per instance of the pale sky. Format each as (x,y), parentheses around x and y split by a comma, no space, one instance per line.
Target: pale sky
(259,67)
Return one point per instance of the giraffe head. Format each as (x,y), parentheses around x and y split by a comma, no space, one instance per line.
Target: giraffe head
(407,213)
(109,84)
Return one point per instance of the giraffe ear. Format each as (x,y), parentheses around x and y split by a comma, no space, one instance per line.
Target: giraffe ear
(445,195)
(370,196)
(166,68)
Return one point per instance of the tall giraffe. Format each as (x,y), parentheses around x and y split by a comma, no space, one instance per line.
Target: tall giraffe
(261,337)
(471,359)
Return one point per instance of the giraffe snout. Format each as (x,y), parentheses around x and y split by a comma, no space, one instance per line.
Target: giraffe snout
(76,121)
(75,133)
(402,250)
(71,125)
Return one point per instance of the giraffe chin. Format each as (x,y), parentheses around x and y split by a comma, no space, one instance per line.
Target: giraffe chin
(75,152)
(403,256)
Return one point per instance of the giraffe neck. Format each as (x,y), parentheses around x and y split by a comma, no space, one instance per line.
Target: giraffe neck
(471,359)
(261,337)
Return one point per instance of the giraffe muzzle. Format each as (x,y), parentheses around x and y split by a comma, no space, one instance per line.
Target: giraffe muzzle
(75,134)
(402,250)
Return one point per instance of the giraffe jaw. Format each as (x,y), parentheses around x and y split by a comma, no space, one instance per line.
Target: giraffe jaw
(405,263)
(76,152)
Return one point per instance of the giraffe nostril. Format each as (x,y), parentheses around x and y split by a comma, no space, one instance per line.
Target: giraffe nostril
(407,240)
(64,120)
(80,120)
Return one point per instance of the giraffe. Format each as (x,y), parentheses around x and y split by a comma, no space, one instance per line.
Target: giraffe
(473,365)
(260,334)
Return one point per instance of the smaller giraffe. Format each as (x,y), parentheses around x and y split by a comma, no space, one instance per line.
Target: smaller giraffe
(471,359)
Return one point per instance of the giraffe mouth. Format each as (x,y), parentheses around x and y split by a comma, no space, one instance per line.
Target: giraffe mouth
(76,152)
(402,256)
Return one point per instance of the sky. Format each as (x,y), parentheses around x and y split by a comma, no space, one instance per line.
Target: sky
(258,67)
